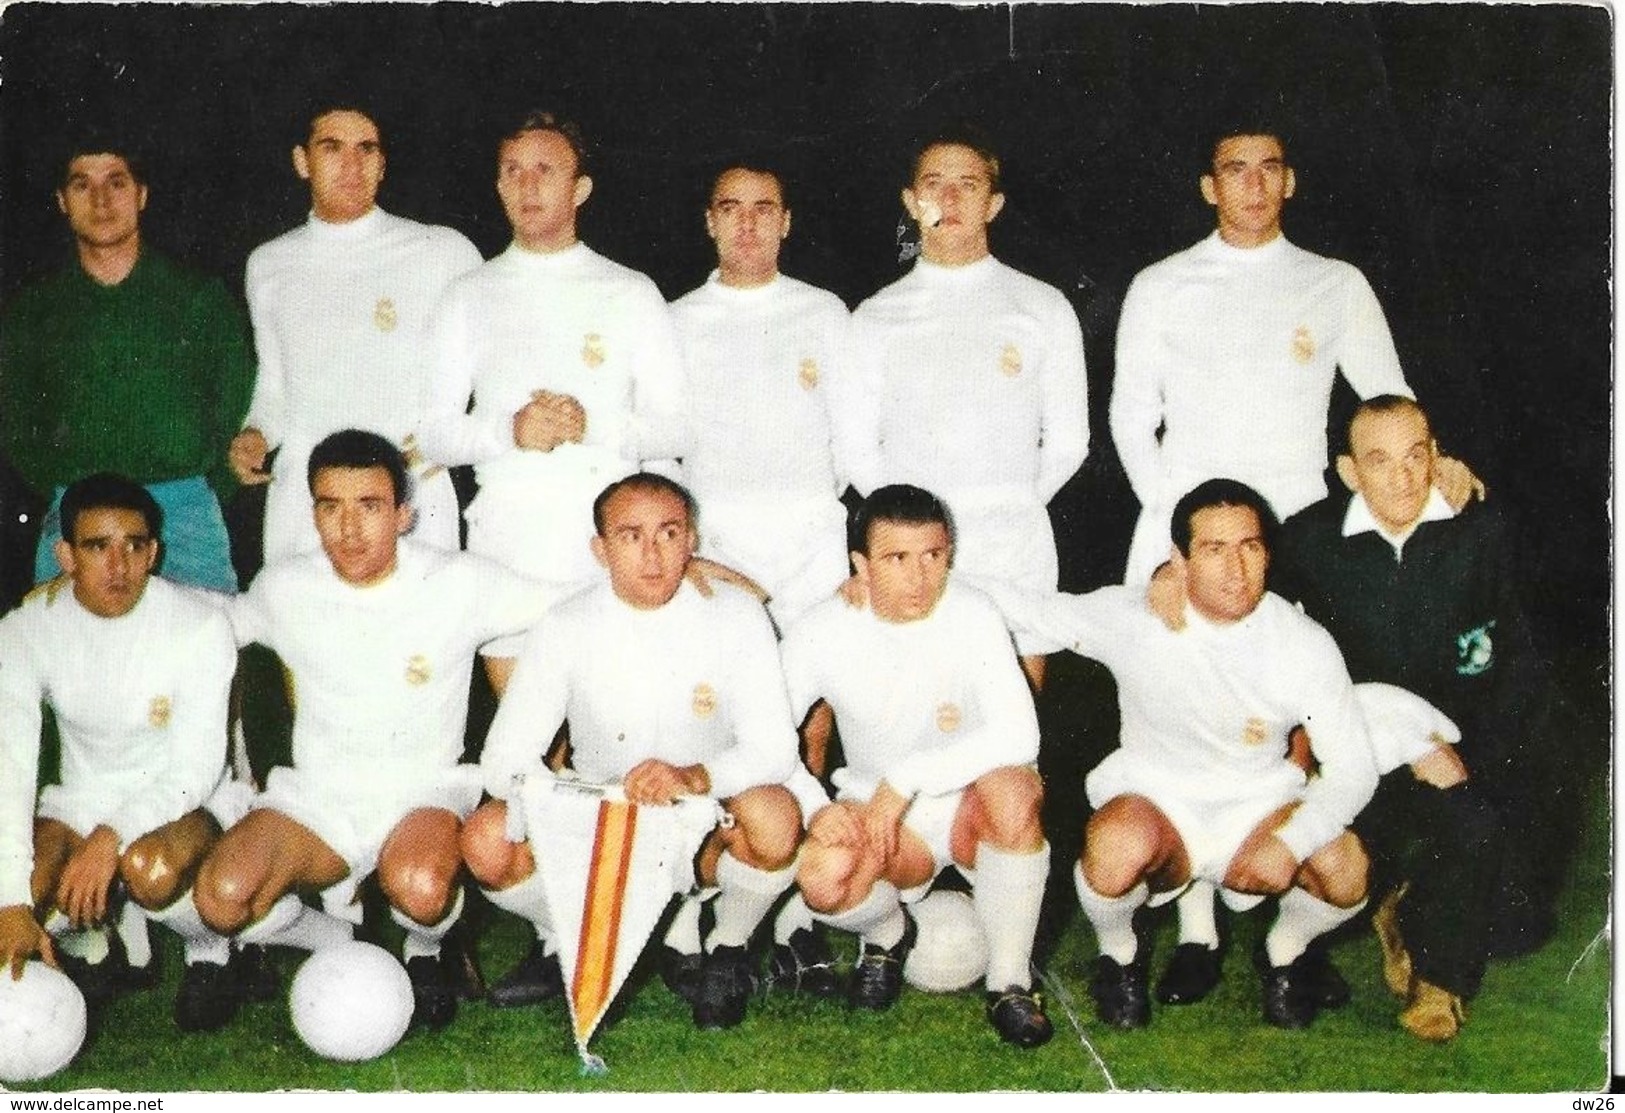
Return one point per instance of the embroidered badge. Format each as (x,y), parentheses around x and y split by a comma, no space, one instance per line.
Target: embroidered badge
(705,701)
(417,669)
(592,350)
(1303,344)
(948,718)
(1255,732)
(808,375)
(384,316)
(1475,651)
(1010,360)
(159,711)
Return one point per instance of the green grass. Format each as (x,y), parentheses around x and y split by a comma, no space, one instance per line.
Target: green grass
(1538,1025)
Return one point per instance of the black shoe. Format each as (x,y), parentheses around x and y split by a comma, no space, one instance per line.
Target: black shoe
(1192,973)
(535,979)
(98,982)
(460,953)
(805,965)
(1017,1015)
(1286,1005)
(1319,980)
(725,985)
(877,979)
(207,999)
(1122,997)
(682,973)
(257,980)
(434,1000)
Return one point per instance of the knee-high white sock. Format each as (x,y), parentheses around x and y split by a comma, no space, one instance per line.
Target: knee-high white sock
(683,934)
(878,918)
(1198,922)
(1111,917)
(527,900)
(1008,895)
(793,917)
(1300,920)
(200,942)
(132,932)
(423,940)
(747,896)
(92,944)
(293,923)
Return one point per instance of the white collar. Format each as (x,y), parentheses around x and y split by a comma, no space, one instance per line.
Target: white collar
(1359,519)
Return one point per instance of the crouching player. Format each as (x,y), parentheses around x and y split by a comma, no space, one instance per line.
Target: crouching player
(940,736)
(137,672)
(671,694)
(378,634)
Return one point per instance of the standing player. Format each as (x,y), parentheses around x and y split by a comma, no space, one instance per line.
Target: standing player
(571,362)
(124,361)
(378,635)
(940,735)
(971,378)
(341,307)
(136,671)
(671,694)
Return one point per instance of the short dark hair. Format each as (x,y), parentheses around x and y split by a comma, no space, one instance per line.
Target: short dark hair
(356,448)
(109,491)
(1220,492)
(961,133)
(1233,126)
(899,502)
(541,120)
(1379,404)
(102,143)
(749,166)
(326,106)
(643,481)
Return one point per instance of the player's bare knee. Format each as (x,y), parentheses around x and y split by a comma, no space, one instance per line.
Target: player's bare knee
(1338,872)
(149,874)
(1009,803)
(484,844)
(223,898)
(422,890)
(823,875)
(767,828)
(1119,850)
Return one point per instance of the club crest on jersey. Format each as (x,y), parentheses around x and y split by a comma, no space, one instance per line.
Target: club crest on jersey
(948,717)
(1010,360)
(705,701)
(1303,344)
(592,350)
(384,317)
(159,712)
(1475,651)
(417,669)
(1254,732)
(808,375)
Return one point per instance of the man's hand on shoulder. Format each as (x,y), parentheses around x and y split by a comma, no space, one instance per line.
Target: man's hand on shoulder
(1457,483)
(1165,596)
(855,592)
(21,938)
(702,573)
(246,456)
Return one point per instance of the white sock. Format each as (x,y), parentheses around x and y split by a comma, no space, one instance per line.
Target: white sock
(89,944)
(293,923)
(1301,919)
(794,916)
(748,895)
(1008,895)
(132,932)
(200,942)
(527,899)
(1111,917)
(683,935)
(878,918)
(423,940)
(1198,921)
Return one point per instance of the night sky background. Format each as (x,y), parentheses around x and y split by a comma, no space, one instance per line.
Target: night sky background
(1459,155)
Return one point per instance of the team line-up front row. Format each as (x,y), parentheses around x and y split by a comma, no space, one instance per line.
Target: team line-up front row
(671,684)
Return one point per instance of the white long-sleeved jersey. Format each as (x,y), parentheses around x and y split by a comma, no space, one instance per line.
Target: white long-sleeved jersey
(140,703)
(341,315)
(926,706)
(696,681)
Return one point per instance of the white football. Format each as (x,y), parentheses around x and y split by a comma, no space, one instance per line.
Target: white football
(42,1023)
(351,1002)
(950,953)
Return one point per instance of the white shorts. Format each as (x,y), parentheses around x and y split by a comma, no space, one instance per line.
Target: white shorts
(1212,820)
(796,549)
(931,819)
(355,824)
(1005,536)
(82,807)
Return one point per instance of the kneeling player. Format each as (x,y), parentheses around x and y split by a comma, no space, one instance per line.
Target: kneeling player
(939,732)
(379,635)
(136,671)
(671,694)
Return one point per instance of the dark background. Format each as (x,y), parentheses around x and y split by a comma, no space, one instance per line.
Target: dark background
(1459,155)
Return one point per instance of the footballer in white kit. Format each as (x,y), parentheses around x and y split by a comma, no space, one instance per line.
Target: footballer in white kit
(940,736)
(340,308)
